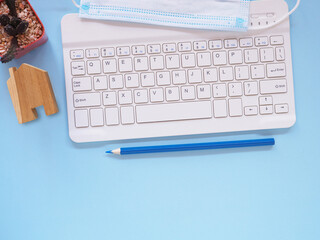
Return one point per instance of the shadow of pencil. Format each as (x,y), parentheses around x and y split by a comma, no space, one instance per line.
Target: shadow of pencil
(199,138)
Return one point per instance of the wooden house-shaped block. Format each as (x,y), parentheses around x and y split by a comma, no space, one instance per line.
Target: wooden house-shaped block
(30,87)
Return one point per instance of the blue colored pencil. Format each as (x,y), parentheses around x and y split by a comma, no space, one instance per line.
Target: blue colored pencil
(193,147)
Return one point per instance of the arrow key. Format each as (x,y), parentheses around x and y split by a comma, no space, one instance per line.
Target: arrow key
(251,111)
(282,108)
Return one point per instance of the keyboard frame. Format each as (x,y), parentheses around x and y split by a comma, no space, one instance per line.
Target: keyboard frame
(73,37)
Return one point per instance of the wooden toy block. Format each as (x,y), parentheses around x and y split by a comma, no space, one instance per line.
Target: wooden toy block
(30,87)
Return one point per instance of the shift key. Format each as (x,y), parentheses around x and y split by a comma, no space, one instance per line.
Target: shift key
(273,86)
(87,100)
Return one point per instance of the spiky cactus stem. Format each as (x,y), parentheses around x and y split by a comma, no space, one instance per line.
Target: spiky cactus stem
(12,7)
(14,47)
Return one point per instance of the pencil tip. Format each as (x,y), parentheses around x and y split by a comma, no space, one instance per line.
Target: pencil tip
(109,151)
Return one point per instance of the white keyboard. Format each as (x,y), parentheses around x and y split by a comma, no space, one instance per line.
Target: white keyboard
(127,81)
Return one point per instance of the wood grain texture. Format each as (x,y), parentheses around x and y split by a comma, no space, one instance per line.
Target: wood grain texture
(30,87)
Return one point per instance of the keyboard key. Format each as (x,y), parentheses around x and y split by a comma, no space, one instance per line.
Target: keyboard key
(109,66)
(188,60)
(81,84)
(204,59)
(125,97)
(276,70)
(220,108)
(141,64)
(280,54)
(273,86)
(163,78)
(100,83)
(139,50)
(156,95)
(157,62)
(210,75)
(92,53)
(266,55)
(235,57)
(276,40)
(109,98)
(257,71)
(96,117)
(132,80)
(235,107)
(204,91)
(226,74)
(235,89)
(169,47)
(261,41)
(147,79)
(265,101)
(200,45)
(184,47)
(127,115)
(219,58)
(141,96)
(78,68)
(255,16)
(154,48)
(282,108)
(219,90)
(86,100)
(179,77)
(251,111)
(251,88)
(265,110)
(246,42)
(242,73)
(215,44)
(81,118)
(94,67)
(174,112)
(112,116)
(76,54)
(188,93)
(107,52)
(231,43)
(195,76)
(116,82)
(125,64)
(123,51)
(172,94)
(251,55)
(173,61)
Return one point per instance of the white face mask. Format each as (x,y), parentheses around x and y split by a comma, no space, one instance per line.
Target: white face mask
(229,15)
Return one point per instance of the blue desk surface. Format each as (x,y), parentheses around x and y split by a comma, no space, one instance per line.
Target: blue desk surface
(52,188)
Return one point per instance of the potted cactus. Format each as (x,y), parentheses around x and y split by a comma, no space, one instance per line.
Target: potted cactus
(20,29)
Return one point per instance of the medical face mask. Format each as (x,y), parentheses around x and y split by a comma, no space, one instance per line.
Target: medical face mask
(229,15)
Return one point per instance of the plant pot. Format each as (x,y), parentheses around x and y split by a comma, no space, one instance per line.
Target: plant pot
(41,40)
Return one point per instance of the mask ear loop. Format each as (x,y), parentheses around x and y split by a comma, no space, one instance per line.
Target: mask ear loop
(279,21)
(76,4)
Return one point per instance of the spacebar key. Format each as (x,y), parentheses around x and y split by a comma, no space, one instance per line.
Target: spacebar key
(174,112)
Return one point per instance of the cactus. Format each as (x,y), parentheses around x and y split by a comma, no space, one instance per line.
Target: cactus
(13,27)
(12,7)
(11,52)
(4,20)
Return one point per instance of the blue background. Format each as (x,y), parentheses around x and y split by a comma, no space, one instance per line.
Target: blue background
(52,188)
